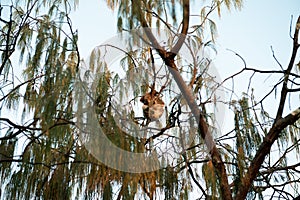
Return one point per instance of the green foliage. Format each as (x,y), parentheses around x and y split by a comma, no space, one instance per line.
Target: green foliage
(248,138)
(54,164)
(210,178)
(7,153)
(47,98)
(151,10)
(53,161)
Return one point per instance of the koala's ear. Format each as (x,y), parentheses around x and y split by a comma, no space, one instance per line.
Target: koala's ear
(159,101)
(142,99)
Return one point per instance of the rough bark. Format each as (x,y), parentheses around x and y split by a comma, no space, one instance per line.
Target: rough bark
(278,126)
(168,58)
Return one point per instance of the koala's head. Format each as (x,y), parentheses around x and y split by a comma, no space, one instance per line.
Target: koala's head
(149,98)
(153,107)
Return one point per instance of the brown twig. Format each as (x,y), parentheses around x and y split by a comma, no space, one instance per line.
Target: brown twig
(277,127)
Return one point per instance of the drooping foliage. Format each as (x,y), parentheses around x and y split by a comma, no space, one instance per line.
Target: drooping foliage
(43,152)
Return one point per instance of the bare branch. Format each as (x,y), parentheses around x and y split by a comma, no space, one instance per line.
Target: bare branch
(278,125)
(276,58)
(185,26)
(284,90)
(263,150)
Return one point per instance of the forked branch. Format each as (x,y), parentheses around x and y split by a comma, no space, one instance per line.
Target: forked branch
(168,58)
(277,127)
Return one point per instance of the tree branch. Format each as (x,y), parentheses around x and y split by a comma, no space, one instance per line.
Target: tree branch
(284,90)
(185,27)
(162,52)
(168,58)
(278,125)
(264,149)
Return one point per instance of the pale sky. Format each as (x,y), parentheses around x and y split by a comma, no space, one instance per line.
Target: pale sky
(259,25)
(250,32)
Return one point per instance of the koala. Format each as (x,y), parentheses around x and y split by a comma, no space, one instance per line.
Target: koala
(153,107)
